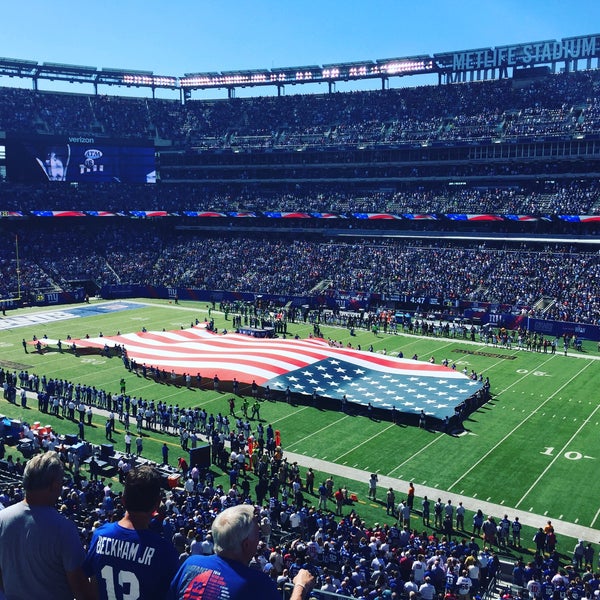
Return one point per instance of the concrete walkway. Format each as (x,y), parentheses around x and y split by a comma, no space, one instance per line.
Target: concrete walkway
(562,528)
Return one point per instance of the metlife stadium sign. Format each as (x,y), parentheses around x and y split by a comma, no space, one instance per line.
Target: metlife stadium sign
(528,54)
(522,55)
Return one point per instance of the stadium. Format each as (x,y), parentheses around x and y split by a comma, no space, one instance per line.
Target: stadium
(196,250)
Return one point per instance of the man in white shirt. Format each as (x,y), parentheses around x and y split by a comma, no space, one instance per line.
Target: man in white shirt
(418,570)
(208,545)
(427,590)
(463,585)
(328,586)
(534,588)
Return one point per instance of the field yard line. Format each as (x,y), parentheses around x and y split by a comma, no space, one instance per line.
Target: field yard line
(366,441)
(595,517)
(558,455)
(521,423)
(288,415)
(318,431)
(436,439)
(433,441)
(450,343)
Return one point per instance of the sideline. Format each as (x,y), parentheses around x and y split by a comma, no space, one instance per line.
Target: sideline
(526,517)
(565,528)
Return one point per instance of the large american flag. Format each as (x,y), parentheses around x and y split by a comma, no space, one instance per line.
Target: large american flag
(305,365)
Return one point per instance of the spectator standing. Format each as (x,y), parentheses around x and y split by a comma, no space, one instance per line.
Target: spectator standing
(426,511)
(410,496)
(463,585)
(460,517)
(373,486)
(145,562)
(52,568)
(540,541)
(427,590)
(390,502)
(226,573)
(516,532)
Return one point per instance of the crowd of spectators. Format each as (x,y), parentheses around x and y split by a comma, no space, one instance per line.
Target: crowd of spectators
(290,523)
(422,550)
(53,257)
(557,105)
(572,196)
(562,106)
(566,278)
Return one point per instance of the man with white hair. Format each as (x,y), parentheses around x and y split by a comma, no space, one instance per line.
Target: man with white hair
(236,533)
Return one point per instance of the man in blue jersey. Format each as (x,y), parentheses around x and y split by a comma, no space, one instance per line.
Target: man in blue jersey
(226,575)
(126,559)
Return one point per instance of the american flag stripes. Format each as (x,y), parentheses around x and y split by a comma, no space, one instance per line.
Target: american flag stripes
(307,366)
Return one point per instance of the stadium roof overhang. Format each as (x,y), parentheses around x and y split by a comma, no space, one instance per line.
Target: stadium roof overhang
(328,73)
(83,74)
(13,67)
(493,61)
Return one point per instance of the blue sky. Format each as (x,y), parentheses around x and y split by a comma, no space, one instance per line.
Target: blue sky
(184,36)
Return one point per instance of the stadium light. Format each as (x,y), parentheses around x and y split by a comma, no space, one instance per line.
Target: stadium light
(296,74)
(402,66)
(331,73)
(191,80)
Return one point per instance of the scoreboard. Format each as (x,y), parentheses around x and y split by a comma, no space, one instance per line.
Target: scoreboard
(79,159)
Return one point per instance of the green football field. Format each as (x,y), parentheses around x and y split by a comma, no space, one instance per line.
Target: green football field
(534,447)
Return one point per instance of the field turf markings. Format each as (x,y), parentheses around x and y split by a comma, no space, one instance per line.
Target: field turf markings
(534,412)
(559,453)
(176,392)
(364,442)
(289,415)
(436,439)
(486,354)
(9,364)
(301,441)
(448,345)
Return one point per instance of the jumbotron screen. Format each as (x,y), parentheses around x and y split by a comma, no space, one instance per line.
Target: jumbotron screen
(79,159)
